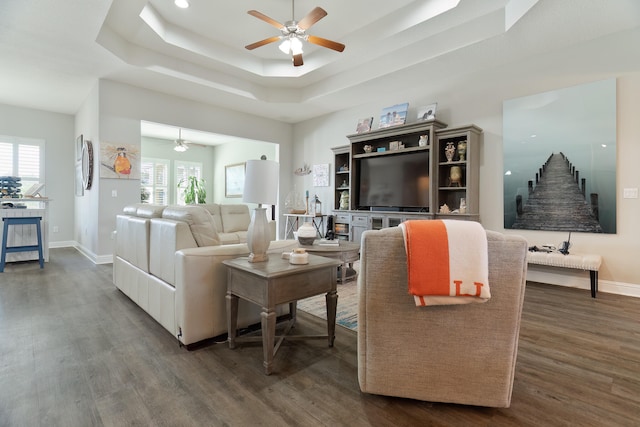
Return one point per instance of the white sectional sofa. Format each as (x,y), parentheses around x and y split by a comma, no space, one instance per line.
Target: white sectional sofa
(168,260)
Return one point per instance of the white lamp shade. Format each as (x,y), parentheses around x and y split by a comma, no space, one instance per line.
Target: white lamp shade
(261,182)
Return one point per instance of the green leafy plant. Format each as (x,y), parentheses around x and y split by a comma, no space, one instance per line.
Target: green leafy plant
(194,192)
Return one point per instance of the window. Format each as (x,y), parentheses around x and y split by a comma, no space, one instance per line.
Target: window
(22,157)
(184,170)
(154,181)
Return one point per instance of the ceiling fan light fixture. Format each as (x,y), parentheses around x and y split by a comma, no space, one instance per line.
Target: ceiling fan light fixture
(180,147)
(296,46)
(285,46)
(182,4)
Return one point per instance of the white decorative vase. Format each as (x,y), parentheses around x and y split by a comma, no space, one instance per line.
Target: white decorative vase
(462,150)
(344,200)
(449,151)
(306,234)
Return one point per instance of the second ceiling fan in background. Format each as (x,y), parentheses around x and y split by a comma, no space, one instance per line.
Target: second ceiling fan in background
(293,32)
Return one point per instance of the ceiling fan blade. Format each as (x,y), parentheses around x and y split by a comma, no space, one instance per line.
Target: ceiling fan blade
(326,43)
(312,17)
(262,42)
(266,19)
(297,60)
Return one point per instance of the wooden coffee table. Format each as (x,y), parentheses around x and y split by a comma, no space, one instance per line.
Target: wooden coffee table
(346,252)
(275,282)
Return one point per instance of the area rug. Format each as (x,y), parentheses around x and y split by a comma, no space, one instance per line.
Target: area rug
(347,312)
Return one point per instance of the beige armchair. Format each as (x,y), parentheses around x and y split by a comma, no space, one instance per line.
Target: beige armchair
(456,353)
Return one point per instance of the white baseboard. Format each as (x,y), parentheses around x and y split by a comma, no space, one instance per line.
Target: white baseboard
(579,279)
(96,259)
(63,244)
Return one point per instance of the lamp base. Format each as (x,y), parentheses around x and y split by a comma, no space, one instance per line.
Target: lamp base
(258,257)
(258,236)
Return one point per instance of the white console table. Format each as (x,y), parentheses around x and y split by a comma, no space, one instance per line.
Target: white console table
(292,222)
(23,235)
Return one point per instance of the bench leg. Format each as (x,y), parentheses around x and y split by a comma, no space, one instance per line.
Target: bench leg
(594,282)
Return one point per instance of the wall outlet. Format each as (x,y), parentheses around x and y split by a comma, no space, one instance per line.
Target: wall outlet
(630,193)
(114,193)
(56,229)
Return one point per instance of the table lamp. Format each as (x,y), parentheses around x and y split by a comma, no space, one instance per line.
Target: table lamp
(261,187)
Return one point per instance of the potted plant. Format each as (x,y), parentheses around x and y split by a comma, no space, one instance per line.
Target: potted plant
(194,192)
(144,195)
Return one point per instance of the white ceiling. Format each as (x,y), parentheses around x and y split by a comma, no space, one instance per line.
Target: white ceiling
(54,51)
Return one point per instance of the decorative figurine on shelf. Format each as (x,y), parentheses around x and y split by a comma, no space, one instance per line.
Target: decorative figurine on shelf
(344,200)
(367,148)
(424,139)
(444,209)
(463,206)
(455,176)
(344,184)
(462,150)
(449,151)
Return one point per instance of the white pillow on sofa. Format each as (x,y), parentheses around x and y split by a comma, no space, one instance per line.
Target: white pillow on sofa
(200,222)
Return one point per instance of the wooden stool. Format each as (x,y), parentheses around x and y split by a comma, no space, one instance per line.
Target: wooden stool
(21,220)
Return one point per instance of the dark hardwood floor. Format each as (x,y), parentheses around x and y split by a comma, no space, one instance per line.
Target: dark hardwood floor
(75,351)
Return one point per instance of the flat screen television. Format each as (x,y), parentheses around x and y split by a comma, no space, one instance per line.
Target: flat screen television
(396,182)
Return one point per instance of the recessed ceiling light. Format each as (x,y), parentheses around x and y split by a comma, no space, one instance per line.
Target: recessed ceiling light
(183,4)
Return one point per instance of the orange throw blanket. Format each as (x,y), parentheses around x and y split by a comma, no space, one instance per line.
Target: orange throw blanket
(447,261)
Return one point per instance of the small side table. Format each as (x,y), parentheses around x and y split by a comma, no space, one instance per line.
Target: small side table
(275,282)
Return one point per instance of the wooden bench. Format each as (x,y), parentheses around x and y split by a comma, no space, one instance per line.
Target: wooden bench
(576,261)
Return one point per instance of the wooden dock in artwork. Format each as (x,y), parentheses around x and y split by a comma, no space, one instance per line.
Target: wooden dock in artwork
(557,202)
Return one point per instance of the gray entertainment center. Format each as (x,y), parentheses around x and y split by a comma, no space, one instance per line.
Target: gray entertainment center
(421,170)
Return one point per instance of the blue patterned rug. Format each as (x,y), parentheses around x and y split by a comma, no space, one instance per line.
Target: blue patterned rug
(347,313)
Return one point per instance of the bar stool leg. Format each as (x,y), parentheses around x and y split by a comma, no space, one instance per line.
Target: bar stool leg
(4,245)
(39,233)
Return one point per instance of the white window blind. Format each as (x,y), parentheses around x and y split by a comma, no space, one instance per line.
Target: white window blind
(184,170)
(22,157)
(154,180)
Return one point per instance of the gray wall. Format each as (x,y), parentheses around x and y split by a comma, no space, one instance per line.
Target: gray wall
(57,130)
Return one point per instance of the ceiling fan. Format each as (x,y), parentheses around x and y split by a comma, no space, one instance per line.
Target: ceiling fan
(293,32)
(181,144)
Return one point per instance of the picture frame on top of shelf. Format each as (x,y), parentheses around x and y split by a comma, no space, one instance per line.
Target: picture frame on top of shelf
(393,116)
(428,112)
(364,125)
